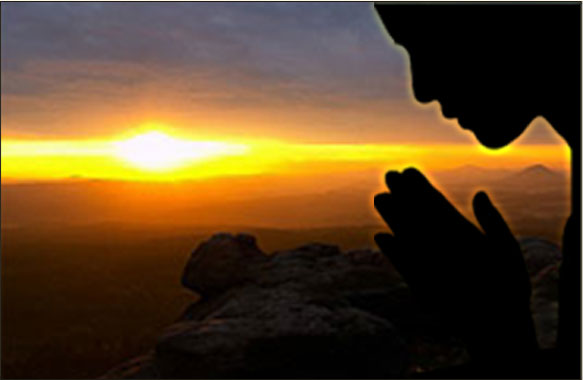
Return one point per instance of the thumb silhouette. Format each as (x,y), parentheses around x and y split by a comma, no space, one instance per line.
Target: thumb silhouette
(492,222)
(507,249)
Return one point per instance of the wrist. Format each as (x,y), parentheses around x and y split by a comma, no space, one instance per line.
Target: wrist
(503,335)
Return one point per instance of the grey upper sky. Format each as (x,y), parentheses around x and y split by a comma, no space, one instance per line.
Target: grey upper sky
(324,72)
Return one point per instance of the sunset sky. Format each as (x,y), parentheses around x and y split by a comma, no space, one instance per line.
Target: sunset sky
(191,90)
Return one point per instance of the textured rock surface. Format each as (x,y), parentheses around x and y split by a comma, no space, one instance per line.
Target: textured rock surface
(312,312)
(543,259)
(539,254)
(221,263)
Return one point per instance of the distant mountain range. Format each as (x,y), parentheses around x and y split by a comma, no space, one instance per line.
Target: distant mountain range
(534,179)
(539,172)
(272,201)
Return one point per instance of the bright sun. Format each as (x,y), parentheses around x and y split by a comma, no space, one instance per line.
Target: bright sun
(157,151)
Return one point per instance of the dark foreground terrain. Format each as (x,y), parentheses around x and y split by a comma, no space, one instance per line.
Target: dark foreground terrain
(79,300)
(91,271)
(313,312)
(78,307)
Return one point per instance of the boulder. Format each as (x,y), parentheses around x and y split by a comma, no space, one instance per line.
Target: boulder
(275,335)
(141,367)
(543,260)
(545,305)
(310,312)
(222,262)
(539,254)
(314,312)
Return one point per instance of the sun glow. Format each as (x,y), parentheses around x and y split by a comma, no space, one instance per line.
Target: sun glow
(157,151)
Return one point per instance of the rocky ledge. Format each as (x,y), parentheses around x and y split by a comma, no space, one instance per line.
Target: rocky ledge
(312,312)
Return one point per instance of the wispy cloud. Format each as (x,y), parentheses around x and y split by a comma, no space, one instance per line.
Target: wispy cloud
(309,71)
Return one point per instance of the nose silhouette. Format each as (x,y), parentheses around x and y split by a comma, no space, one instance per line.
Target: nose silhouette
(424,89)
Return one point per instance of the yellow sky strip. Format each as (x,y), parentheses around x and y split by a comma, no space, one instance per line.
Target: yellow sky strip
(155,155)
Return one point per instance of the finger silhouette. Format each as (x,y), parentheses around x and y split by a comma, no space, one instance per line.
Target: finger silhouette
(490,219)
(390,211)
(393,181)
(498,232)
(409,190)
(425,205)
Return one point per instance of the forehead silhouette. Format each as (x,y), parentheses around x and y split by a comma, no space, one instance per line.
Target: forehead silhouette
(487,62)
(465,25)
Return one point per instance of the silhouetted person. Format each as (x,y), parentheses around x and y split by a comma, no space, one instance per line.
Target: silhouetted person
(494,67)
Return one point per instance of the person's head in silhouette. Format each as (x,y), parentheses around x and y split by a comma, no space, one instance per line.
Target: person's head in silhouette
(493,67)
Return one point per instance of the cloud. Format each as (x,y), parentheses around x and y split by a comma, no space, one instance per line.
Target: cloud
(314,71)
(275,39)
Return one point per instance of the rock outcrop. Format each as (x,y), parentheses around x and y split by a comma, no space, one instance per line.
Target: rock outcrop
(311,312)
(221,263)
(542,259)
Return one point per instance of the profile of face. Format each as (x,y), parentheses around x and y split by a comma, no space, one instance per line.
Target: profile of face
(494,68)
